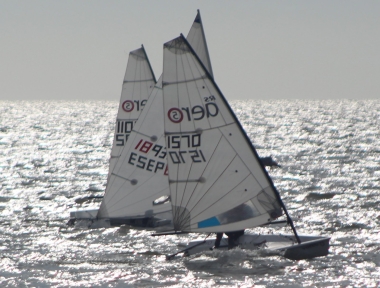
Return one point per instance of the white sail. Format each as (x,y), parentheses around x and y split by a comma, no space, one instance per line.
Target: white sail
(138,83)
(138,178)
(197,40)
(217,182)
(138,184)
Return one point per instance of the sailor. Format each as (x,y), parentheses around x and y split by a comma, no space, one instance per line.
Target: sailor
(233,238)
(269,162)
(239,213)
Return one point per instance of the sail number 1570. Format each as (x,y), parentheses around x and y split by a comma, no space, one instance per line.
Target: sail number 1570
(183,143)
(187,141)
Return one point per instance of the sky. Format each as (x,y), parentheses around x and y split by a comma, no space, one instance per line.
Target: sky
(78,50)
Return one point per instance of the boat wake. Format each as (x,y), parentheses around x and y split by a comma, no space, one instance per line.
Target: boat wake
(236,261)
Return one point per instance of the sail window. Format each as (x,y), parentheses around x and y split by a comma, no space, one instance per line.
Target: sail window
(270,204)
(239,213)
(162,200)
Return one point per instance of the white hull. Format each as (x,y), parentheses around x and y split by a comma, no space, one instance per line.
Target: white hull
(311,246)
(88,218)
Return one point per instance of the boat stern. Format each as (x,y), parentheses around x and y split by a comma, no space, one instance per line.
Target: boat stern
(308,250)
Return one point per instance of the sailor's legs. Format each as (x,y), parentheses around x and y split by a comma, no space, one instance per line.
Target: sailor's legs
(218,239)
(233,238)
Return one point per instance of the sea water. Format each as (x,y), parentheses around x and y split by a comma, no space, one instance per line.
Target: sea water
(53,155)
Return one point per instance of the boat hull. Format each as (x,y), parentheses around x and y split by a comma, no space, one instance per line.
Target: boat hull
(88,218)
(311,246)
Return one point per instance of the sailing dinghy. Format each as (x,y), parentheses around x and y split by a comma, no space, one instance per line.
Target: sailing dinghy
(137,190)
(138,84)
(216,178)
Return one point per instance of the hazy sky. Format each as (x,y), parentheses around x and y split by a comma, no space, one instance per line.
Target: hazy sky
(69,50)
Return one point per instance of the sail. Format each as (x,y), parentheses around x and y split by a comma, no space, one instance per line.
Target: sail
(217,182)
(197,40)
(138,83)
(139,178)
(138,184)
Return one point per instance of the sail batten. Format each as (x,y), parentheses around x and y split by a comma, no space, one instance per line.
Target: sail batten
(138,81)
(116,175)
(183,81)
(186,180)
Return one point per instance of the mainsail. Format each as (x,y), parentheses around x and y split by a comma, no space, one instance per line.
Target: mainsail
(217,182)
(139,176)
(138,83)
(197,40)
(138,184)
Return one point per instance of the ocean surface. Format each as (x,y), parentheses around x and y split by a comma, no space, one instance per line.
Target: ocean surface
(54,158)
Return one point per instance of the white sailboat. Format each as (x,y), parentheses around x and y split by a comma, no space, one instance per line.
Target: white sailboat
(138,83)
(137,190)
(216,178)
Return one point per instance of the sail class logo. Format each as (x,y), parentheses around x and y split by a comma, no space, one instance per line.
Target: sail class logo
(129,105)
(197,112)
